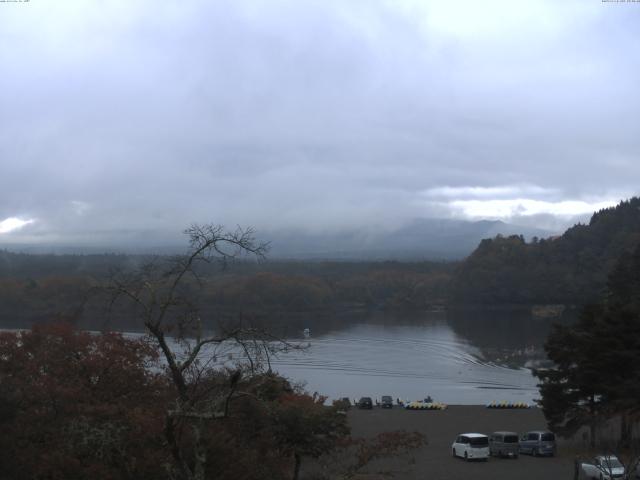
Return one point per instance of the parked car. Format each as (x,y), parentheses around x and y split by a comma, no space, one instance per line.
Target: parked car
(365,403)
(603,467)
(386,401)
(538,442)
(504,444)
(471,446)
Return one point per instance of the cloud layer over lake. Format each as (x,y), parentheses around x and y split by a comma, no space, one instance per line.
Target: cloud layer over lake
(124,119)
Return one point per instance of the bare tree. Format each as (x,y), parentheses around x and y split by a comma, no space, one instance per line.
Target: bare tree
(162,293)
(610,462)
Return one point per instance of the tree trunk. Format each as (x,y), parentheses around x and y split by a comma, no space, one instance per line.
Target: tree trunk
(296,468)
(200,452)
(592,424)
(625,431)
(172,441)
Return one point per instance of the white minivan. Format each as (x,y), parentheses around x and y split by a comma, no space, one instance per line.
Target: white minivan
(471,446)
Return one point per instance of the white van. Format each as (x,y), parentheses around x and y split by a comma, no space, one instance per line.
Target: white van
(471,446)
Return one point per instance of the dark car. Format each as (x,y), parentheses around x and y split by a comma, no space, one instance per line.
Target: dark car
(365,403)
(538,442)
(386,401)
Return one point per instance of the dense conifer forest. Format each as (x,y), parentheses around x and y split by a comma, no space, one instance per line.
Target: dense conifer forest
(569,269)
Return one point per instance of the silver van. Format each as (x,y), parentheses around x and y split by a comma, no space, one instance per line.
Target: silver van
(538,442)
(503,444)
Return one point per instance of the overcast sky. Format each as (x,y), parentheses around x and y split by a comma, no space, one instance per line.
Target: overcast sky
(120,119)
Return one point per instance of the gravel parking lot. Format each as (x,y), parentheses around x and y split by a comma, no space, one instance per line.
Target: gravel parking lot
(434,460)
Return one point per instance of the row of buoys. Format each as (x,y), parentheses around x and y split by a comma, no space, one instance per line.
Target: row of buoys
(508,405)
(425,406)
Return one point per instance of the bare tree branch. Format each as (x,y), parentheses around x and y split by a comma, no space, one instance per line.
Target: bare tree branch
(159,291)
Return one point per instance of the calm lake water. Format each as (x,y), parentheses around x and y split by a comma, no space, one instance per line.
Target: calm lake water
(457,358)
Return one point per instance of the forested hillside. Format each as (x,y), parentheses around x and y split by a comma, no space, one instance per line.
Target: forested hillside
(36,288)
(570,269)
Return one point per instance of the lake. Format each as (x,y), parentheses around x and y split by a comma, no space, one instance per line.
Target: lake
(456,357)
(465,357)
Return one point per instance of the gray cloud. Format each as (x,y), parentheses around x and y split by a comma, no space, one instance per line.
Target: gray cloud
(122,120)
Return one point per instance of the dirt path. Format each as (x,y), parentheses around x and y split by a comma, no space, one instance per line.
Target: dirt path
(434,461)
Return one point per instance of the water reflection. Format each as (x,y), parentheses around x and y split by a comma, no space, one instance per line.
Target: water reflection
(508,337)
(461,357)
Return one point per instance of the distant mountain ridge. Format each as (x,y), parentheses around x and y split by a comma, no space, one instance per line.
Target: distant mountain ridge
(421,239)
(569,269)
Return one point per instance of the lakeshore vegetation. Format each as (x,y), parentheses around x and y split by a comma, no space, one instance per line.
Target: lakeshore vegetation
(108,406)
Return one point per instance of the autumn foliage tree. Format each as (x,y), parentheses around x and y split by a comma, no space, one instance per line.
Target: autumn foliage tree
(305,427)
(93,406)
(79,405)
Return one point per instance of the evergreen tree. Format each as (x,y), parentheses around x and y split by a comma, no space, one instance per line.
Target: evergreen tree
(573,392)
(624,284)
(596,373)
